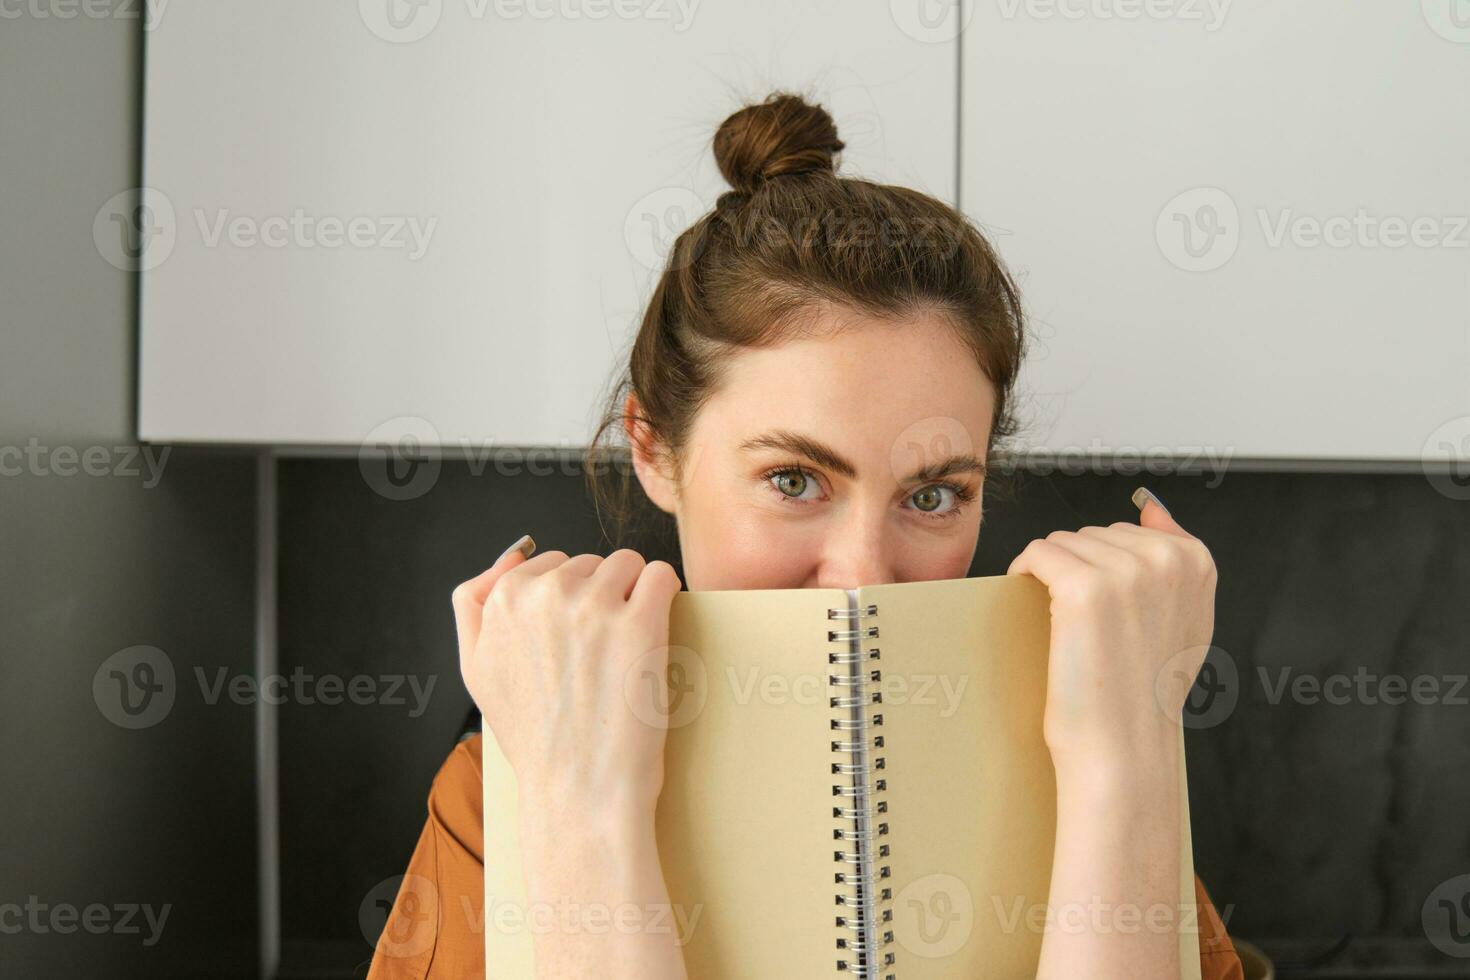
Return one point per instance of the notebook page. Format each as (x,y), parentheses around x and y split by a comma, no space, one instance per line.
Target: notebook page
(970,785)
(744,821)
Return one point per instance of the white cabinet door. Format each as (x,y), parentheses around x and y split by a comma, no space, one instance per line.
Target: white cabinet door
(441,218)
(1239,225)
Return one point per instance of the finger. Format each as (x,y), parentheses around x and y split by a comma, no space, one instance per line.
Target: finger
(469,598)
(1050,563)
(656,586)
(1118,532)
(619,572)
(1153,513)
(542,563)
(1122,534)
(478,588)
(1095,546)
(582,565)
(1152,545)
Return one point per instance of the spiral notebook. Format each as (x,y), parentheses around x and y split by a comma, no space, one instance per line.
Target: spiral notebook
(856,783)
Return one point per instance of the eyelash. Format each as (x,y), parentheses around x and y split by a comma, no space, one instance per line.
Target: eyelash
(962,493)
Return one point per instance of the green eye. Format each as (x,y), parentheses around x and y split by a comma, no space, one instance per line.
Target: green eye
(929,498)
(791,482)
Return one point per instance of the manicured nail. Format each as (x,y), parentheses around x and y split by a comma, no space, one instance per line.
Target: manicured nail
(1143,495)
(524,545)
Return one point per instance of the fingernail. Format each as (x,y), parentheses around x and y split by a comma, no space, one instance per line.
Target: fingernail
(1143,495)
(524,545)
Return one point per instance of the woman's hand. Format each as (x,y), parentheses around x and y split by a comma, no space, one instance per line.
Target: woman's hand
(545,646)
(1132,615)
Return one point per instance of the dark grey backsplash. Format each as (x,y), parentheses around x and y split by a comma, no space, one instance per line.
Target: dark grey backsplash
(116,797)
(1318,826)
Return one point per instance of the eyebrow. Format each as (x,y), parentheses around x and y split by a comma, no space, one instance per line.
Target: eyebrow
(823,455)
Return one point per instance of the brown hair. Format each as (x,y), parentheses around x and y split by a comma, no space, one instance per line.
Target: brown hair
(790,239)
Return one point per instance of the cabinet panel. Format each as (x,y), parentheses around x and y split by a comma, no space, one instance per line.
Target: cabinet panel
(1238,226)
(441,220)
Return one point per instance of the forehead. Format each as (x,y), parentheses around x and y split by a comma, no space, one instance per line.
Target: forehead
(862,384)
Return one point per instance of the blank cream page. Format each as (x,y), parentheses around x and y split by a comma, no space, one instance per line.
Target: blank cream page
(744,822)
(970,785)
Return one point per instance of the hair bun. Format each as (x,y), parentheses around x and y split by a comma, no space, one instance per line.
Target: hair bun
(781,136)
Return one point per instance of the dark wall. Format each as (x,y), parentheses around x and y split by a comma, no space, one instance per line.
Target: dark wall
(161,815)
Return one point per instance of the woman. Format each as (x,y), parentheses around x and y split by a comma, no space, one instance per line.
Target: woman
(811,339)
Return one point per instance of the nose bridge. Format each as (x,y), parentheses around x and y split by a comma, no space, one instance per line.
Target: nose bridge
(858,551)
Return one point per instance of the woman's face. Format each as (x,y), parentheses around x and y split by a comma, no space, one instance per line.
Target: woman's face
(847,457)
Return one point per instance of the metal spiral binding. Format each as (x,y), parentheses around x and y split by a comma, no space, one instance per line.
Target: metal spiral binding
(863,913)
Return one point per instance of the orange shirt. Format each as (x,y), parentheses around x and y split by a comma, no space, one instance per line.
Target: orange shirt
(436,928)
